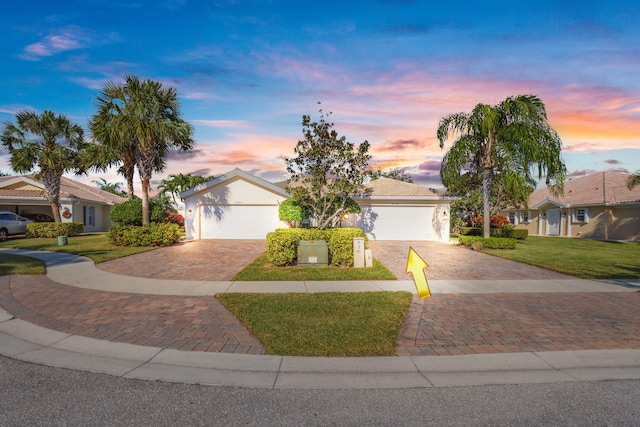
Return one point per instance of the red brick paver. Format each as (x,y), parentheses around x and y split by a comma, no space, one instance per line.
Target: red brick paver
(176,322)
(450,324)
(210,260)
(450,262)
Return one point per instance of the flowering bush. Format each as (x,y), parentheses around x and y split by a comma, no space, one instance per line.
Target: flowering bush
(151,235)
(496,221)
(174,218)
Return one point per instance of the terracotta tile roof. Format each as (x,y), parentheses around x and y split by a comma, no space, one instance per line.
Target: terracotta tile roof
(595,189)
(387,187)
(69,189)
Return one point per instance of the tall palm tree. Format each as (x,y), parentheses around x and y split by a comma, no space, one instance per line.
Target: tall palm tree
(109,187)
(48,144)
(114,143)
(141,119)
(507,140)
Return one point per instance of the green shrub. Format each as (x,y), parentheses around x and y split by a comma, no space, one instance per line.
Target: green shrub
(54,229)
(292,212)
(515,233)
(478,243)
(340,244)
(130,212)
(282,244)
(151,235)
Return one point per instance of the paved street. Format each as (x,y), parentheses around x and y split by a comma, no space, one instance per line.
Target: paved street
(39,395)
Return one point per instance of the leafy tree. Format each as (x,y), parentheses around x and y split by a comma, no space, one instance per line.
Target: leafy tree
(48,144)
(634,180)
(506,140)
(327,171)
(394,173)
(140,118)
(109,187)
(176,184)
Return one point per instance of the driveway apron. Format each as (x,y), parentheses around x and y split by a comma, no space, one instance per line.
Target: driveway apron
(445,324)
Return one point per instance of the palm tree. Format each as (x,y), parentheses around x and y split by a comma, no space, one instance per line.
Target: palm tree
(634,180)
(178,183)
(47,143)
(114,143)
(140,119)
(506,140)
(109,187)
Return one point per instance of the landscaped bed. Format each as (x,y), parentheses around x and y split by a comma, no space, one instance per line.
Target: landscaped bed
(262,270)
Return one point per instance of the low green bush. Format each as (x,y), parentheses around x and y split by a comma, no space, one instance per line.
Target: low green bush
(478,243)
(130,212)
(151,235)
(282,244)
(54,229)
(515,233)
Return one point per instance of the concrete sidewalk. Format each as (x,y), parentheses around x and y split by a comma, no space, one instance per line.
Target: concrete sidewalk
(31,343)
(81,272)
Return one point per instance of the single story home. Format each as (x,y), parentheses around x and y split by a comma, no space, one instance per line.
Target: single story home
(79,202)
(595,206)
(238,205)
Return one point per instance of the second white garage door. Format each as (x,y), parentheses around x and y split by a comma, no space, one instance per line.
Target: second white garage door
(397,222)
(237,222)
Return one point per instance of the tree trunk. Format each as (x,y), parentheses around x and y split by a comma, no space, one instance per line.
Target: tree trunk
(145,202)
(486,203)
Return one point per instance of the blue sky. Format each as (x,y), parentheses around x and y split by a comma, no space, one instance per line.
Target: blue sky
(246,72)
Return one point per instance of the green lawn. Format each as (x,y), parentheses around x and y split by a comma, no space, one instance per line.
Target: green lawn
(261,269)
(323,324)
(584,258)
(18,264)
(95,246)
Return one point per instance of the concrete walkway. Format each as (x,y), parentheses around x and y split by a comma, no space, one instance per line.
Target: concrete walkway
(28,342)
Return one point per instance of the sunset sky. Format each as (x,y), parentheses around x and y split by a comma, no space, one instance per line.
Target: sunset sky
(388,70)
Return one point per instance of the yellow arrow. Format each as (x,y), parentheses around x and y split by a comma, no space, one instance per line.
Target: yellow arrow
(416,266)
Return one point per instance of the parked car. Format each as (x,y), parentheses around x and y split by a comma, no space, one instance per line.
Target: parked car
(11,224)
(39,217)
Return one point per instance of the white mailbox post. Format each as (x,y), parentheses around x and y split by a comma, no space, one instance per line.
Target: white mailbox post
(358,252)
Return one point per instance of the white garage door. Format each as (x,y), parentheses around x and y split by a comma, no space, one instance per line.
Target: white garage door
(397,222)
(237,222)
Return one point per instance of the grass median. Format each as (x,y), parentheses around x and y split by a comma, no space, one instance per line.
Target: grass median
(324,324)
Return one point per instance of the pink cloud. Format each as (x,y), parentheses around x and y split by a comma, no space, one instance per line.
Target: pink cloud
(70,38)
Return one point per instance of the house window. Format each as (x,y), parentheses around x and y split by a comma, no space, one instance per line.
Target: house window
(513,218)
(89,215)
(526,217)
(582,215)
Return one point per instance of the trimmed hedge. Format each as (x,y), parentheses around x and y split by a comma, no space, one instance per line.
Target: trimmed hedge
(151,235)
(478,243)
(515,233)
(282,244)
(54,229)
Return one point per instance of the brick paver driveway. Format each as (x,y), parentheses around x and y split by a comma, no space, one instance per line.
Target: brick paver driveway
(441,325)
(211,260)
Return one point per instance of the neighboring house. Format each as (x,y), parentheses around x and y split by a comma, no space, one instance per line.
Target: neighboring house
(24,195)
(595,206)
(238,205)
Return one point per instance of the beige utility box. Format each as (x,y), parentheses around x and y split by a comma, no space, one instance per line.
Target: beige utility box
(358,252)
